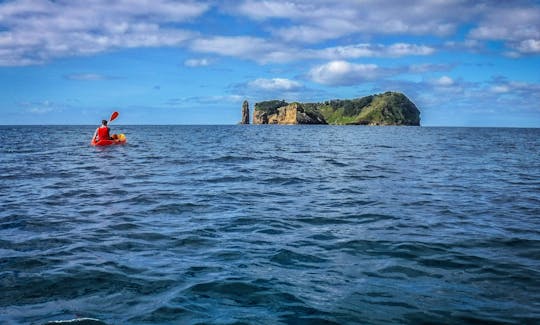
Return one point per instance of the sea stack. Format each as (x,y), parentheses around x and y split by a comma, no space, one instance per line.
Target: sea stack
(245,113)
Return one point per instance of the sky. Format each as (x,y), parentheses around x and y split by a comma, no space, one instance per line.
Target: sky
(463,63)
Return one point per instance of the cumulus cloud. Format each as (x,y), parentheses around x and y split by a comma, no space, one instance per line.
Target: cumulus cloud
(368,50)
(261,10)
(264,51)
(517,23)
(503,86)
(507,23)
(245,47)
(37,31)
(500,89)
(320,20)
(275,84)
(343,73)
(443,81)
(529,46)
(264,88)
(33,31)
(518,26)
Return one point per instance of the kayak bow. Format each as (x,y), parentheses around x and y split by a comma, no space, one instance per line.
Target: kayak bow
(120,140)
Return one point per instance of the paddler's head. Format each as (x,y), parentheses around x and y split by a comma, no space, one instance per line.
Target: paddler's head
(104,122)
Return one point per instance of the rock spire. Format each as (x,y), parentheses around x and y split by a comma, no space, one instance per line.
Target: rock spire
(245,113)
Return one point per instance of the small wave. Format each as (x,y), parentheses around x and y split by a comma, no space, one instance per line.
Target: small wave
(271,231)
(287,257)
(371,217)
(231,159)
(193,242)
(336,163)
(324,237)
(278,180)
(408,272)
(148,236)
(77,321)
(164,314)
(231,287)
(324,220)
(228,179)
(177,208)
(124,226)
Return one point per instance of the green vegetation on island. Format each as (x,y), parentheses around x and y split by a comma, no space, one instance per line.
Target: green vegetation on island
(389,108)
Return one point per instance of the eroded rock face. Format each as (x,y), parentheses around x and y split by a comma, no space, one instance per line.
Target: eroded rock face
(389,108)
(290,114)
(245,113)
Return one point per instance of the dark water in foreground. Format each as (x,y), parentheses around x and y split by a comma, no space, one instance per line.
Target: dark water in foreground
(270,225)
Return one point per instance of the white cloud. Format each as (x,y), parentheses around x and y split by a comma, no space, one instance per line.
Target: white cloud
(264,51)
(404,49)
(268,9)
(245,47)
(308,21)
(502,86)
(314,21)
(508,23)
(444,81)
(324,30)
(37,31)
(369,50)
(529,46)
(343,73)
(501,89)
(193,63)
(518,26)
(275,84)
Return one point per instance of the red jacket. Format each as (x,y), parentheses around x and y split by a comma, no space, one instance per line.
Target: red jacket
(103,133)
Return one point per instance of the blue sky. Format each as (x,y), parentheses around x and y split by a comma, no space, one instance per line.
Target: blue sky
(464,63)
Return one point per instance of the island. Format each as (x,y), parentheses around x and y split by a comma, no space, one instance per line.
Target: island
(389,108)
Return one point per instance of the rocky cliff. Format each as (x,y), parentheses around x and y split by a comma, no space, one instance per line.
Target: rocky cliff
(294,113)
(390,108)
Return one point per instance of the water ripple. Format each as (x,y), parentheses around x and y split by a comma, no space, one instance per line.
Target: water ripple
(298,225)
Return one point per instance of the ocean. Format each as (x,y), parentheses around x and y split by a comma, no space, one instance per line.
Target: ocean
(266,224)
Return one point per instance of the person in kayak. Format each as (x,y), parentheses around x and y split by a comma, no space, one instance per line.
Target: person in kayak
(102,132)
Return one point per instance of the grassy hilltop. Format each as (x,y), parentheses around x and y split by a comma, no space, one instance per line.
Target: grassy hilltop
(390,108)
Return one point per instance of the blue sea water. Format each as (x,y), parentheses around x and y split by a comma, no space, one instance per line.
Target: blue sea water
(270,225)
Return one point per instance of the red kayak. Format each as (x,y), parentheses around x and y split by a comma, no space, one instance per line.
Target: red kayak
(120,139)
